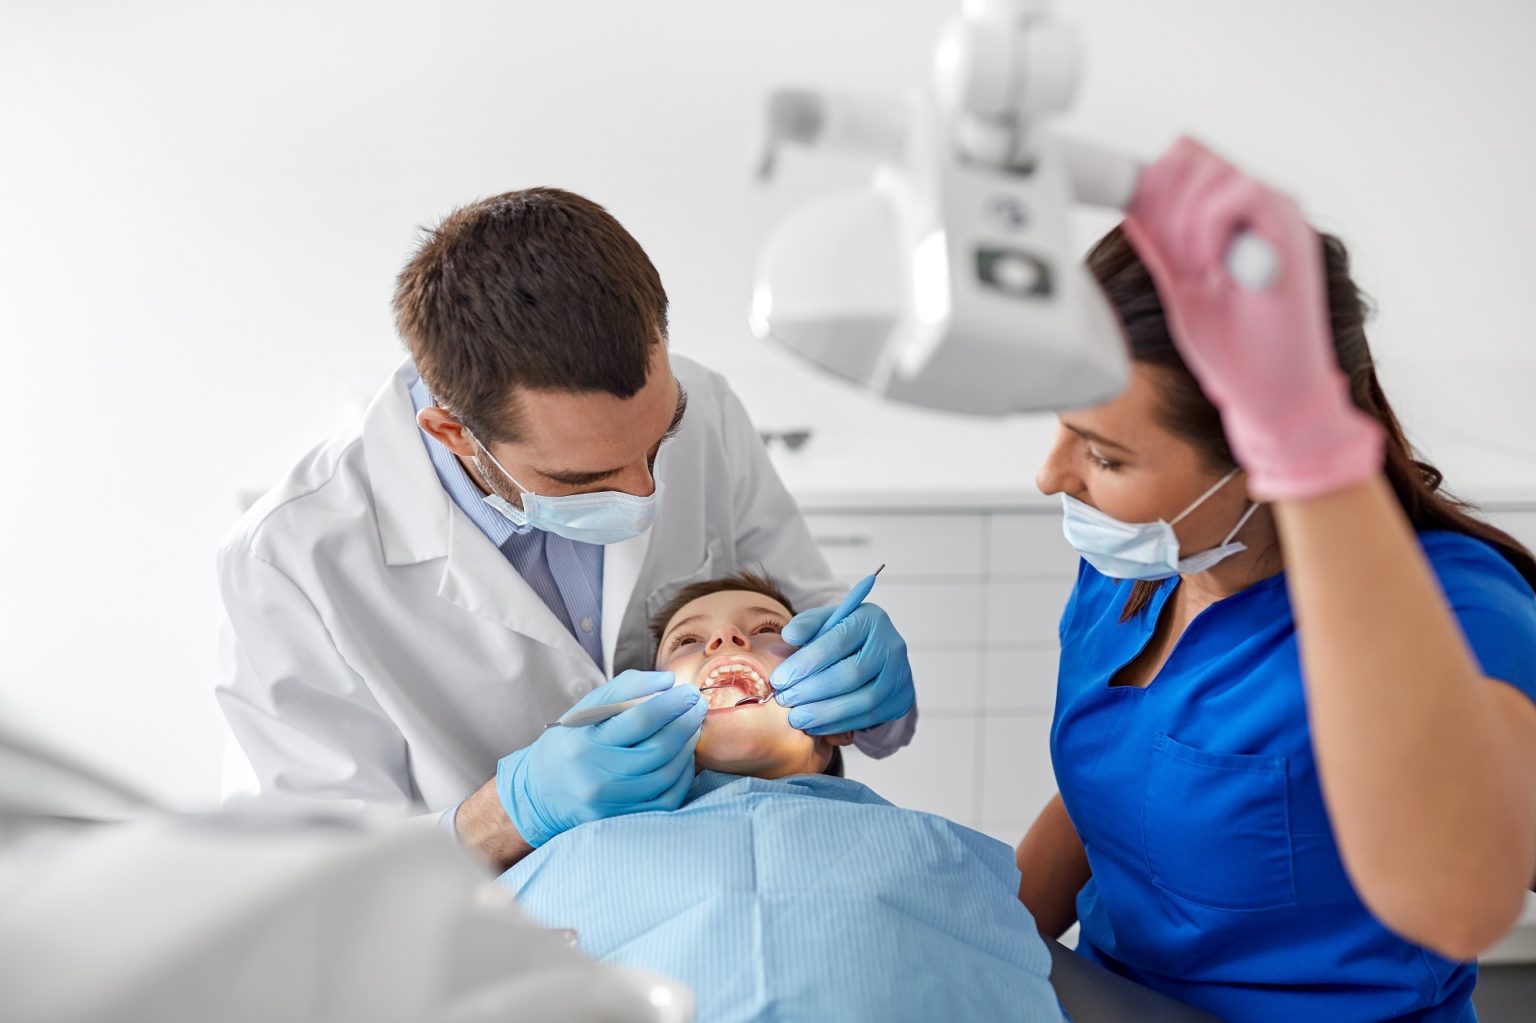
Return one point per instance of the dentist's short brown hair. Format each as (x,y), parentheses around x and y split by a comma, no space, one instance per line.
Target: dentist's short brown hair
(539,289)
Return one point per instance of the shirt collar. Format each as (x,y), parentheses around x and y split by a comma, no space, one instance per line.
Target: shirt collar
(450,473)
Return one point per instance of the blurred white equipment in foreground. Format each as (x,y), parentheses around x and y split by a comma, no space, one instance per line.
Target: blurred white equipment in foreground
(950,282)
(171,918)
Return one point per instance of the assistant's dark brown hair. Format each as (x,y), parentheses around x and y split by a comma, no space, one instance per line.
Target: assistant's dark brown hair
(539,289)
(751,582)
(1187,412)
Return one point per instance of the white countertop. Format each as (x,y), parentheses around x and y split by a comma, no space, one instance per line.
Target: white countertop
(1476,426)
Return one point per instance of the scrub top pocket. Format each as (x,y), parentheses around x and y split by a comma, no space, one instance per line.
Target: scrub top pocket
(1217,827)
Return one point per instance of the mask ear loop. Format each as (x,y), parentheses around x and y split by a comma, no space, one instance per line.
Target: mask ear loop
(1228,478)
(487,476)
(1253,506)
(487,451)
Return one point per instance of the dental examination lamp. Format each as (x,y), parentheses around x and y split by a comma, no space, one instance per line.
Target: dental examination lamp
(950,282)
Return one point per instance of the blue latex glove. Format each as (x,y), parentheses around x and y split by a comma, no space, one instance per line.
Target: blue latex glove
(639,760)
(856,676)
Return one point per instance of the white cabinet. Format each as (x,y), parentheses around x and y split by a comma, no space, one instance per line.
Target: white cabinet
(1022,679)
(1029,545)
(1016,780)
(912,546)
(1024,613)
(948,681)
(977,594)
(936,773)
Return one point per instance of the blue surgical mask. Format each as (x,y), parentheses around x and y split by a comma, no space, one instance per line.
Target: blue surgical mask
(1143,550)
(609,516)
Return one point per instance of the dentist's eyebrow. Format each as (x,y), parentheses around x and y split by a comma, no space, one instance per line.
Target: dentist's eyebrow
(677,415)
(1098,438)
(573,478)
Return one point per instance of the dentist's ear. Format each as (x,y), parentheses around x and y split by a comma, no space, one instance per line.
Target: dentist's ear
(442,427)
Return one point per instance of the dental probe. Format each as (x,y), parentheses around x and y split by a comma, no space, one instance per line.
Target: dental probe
(602,712)
(843,610)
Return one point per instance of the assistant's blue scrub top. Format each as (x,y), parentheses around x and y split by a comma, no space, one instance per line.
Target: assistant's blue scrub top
(1216,878)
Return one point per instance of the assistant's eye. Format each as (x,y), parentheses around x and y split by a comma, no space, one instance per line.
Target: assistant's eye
(1107,464)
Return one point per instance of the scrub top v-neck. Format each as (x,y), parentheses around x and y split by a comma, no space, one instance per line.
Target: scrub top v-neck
(1216,878)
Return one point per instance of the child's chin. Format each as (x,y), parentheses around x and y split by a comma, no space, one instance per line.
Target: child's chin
(741,753)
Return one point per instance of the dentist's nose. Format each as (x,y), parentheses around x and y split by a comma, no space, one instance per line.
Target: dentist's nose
(727,634)
(638,480)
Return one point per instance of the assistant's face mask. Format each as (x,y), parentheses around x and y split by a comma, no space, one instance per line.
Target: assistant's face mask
(1143,550)
(605,517)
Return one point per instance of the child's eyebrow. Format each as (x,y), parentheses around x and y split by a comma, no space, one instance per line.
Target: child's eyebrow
(686,621)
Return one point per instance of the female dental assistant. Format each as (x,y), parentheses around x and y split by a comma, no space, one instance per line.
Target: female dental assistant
(1295,730)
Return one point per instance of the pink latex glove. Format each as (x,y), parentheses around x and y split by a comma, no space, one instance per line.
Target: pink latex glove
(1264,357)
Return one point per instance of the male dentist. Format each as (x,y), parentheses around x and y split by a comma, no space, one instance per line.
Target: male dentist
(423,594)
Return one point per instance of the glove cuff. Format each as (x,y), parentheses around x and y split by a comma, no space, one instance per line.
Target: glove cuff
(512,790)
(1317,451)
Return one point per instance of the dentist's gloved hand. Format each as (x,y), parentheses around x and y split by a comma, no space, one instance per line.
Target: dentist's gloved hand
(639,760)
(1265,356)
(856,676)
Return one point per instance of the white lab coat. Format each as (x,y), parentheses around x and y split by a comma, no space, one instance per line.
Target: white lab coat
(381,653)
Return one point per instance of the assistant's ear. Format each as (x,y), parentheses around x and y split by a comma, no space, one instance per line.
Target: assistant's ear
(446,430)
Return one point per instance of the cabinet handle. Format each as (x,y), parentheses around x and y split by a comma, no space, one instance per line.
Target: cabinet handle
(851,540)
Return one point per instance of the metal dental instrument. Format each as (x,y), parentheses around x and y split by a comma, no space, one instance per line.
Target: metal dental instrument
(602,712)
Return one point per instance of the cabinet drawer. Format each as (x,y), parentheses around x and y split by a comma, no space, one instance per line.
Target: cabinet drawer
(936,773)
(1029,545)
(947,681)
(909,545)
(933,614)
(1020,680)
(1025,613)
(1016,776)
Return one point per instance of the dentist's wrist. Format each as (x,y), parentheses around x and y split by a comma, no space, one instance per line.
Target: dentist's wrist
(482,825)
(517,803)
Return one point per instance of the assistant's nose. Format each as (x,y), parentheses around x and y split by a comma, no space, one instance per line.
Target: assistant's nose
(1056,475)
(727,635)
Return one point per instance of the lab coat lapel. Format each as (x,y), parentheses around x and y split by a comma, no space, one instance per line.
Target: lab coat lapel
(478,578)
(410,506)
(621,571)
(419,522)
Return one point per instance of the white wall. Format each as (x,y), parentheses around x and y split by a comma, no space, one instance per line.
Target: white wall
(202,206)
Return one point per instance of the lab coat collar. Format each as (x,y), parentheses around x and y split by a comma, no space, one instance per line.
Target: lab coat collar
(478,578)
(413,509)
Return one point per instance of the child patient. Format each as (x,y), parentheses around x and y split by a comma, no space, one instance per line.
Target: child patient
(777,891)
(723,636)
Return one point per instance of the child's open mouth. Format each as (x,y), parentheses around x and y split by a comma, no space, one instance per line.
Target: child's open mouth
(733,684)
